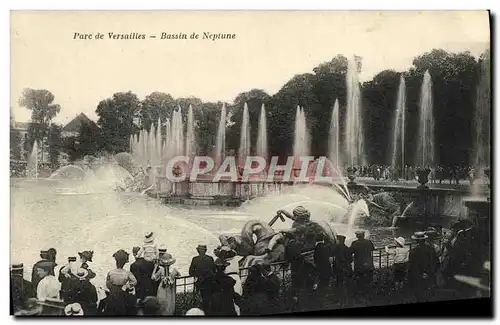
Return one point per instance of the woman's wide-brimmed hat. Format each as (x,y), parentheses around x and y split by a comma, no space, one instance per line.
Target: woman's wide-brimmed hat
(400,241)
(419,235)
(73,310)
(167,259)
(121,255)
(81,274)
(46,265)
(195,312)
(149,238)
(87,255)
(225,252)
(221,262)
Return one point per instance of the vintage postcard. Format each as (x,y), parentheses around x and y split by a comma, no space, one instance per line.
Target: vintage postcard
(236,163)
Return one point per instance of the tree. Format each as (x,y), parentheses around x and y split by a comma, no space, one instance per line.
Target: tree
(254,99)
(88,140)
(116,120)
(207,119)
(379,108)
(156,105)
(43,109)
(55,145)
(454,80)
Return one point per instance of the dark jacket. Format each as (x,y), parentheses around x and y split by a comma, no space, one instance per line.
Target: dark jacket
(362,250)
(322,255)
(221,299)
(84,293)
(342,259)
(202,267)
(143,270)
(422,260)
(260,292)
(20,291)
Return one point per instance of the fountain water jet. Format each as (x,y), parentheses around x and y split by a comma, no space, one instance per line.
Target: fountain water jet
(301,140)
(190,138)
(354,140)
(32,167)
(262,134)
(220,145)
(167,153)
(398,140)
(158,143)
(244,150)
(176,142)
(425,153)
(334,139)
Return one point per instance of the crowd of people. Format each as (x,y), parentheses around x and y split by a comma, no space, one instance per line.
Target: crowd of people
(439,174)
(148,285)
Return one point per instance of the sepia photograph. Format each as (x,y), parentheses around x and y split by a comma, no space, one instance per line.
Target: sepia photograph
(250,163)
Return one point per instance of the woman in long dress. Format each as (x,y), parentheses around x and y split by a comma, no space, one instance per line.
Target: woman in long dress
(166,290)
(120,283)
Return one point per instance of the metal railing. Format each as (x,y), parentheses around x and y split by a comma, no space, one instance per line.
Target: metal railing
(381,259)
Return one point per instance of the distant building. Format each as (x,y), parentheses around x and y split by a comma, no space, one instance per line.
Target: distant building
(72,129)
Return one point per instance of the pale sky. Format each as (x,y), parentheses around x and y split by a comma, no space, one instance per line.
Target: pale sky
(269,49)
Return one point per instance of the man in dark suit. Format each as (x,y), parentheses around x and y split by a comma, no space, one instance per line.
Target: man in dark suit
(202,268)
(21,289)
(323,267)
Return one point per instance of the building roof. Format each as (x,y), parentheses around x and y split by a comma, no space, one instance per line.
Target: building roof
(21,125)
(76,124)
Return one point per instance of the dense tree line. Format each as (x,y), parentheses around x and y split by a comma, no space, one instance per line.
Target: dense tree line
(455,77)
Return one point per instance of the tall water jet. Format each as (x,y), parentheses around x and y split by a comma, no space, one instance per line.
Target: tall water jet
(144,143)
(261,150)
(334,137)
(301,139)
(131,144)
(425,153)
(220,144)
(190,138)
(244,150)
(151,146)
(167,152)
(158,143)
(177,138)
(32,166)
(398,138)
(354,140)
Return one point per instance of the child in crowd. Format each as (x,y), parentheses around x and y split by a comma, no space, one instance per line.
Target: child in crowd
(400,255)
(149,251)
